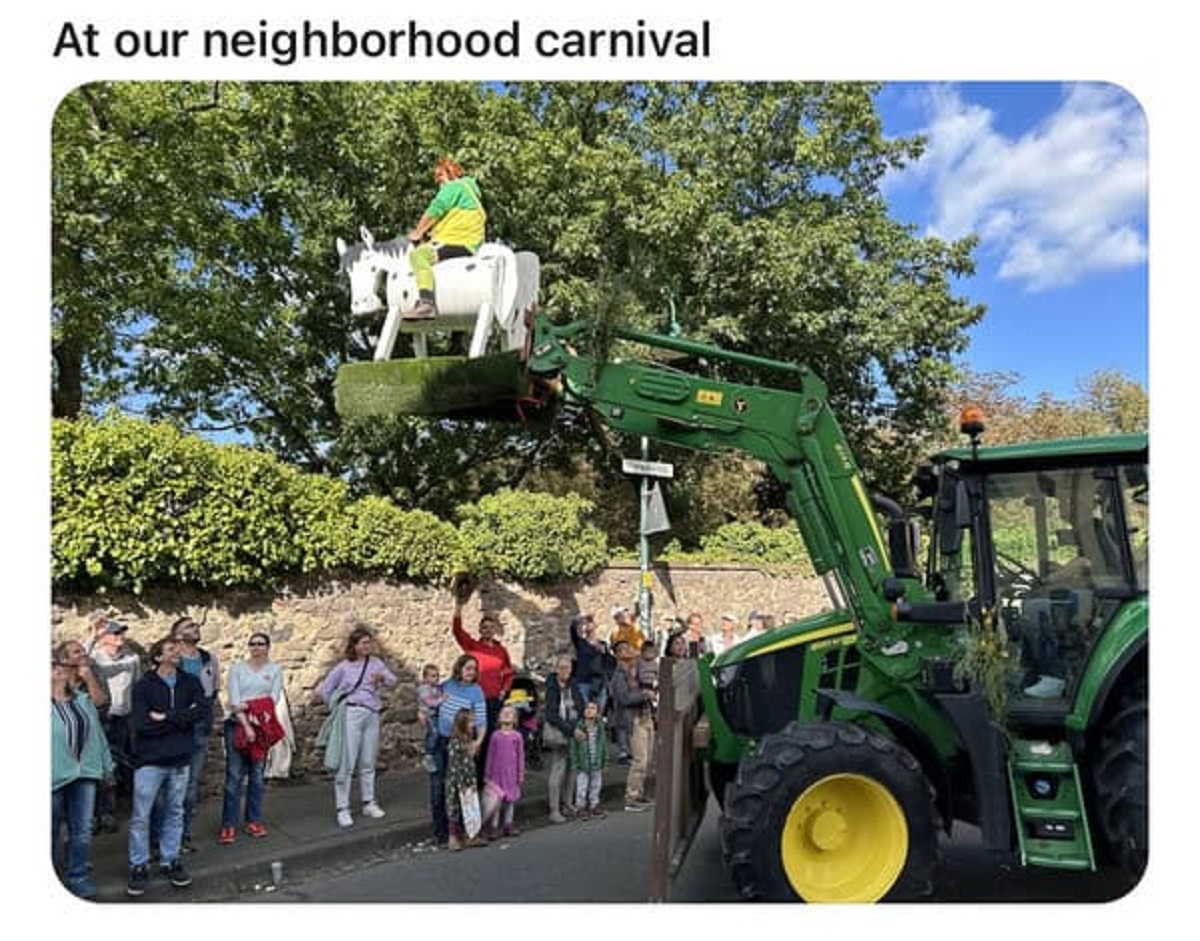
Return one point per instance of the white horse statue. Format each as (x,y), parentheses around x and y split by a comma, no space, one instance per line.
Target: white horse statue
(489,292)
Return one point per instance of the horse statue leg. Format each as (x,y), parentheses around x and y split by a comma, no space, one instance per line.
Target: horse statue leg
(483,330)
(387,336)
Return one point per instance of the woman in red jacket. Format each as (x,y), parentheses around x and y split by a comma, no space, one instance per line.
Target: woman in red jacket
(495,665)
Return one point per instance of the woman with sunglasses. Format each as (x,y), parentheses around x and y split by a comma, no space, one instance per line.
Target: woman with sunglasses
(80,759)
(254,678)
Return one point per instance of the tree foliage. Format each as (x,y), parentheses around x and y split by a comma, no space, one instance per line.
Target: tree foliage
(195,276)
(1105,403)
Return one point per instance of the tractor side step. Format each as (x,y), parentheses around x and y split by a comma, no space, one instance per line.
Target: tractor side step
(1052,828)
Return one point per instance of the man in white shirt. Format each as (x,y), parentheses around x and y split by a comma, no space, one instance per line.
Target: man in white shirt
(119,667)
(726,637)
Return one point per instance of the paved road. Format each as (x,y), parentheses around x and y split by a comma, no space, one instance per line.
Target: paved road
(608,861)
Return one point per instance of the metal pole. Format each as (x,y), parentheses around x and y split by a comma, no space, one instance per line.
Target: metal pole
(644,547)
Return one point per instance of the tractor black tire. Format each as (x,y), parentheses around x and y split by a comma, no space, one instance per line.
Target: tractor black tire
(783,767)
(1119,781)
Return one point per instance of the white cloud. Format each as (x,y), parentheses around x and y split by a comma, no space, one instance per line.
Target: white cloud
(1065,199)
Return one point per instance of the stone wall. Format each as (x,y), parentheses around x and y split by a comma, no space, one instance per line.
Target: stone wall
(309,623)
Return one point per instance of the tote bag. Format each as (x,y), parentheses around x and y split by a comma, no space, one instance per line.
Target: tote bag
(472,816)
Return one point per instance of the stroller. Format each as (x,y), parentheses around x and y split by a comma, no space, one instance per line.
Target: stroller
(524,699)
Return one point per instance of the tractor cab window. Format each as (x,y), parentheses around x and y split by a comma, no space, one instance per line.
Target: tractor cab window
(1058,560)
(1135,491)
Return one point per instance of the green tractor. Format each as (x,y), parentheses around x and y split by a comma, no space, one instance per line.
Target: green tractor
(1001,682)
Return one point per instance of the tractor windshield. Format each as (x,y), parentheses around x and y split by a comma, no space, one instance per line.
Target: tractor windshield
(1062,557)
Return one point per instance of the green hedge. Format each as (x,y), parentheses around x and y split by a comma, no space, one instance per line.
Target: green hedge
(531,536)
(135,504)
(752,544)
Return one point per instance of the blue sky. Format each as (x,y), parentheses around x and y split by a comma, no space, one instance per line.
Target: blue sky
(1053,178)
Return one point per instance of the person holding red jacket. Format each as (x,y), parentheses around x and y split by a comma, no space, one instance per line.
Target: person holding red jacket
(495,665)
(255,678)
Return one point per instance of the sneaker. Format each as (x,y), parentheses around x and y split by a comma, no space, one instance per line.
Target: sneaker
(227,835)
(139,877)
(599,814)
(635,807)
(186,846)
(422,311)
(256,829)
(429,764)
(373,810)
(583,814)
(556,817)
(344,819)
(179,876)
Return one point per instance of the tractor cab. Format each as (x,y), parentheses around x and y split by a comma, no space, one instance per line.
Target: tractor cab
(1052,538)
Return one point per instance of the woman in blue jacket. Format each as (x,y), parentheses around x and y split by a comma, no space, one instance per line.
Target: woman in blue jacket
(79,761)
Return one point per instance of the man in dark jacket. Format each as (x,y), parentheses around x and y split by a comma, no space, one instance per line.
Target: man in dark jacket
(590,653)
(166,705)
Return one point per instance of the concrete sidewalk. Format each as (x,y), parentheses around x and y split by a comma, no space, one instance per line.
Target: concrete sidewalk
(303,835)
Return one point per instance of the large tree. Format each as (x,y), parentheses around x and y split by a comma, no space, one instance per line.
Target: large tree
(194,273)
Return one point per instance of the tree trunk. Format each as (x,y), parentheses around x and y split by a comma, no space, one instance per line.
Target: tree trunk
(67,390)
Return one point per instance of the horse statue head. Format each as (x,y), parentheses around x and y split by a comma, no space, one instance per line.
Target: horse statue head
(370,266)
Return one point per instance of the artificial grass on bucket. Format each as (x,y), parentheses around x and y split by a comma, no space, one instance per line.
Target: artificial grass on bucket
(434,386)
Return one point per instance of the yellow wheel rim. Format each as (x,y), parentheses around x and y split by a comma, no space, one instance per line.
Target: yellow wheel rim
(844,840)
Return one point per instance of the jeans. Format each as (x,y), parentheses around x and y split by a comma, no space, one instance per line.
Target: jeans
(147,781)
(195,770)
(437,791)
(596,689)
(361,749)
(587,789)
(238,766)
(72,806)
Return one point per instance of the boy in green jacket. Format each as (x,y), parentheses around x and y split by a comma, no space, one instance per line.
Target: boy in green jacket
(589,755)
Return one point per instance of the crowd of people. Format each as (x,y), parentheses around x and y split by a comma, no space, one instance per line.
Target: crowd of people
(135,723)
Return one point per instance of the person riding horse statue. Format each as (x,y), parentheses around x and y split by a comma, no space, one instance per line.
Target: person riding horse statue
(455,219)
(484,288)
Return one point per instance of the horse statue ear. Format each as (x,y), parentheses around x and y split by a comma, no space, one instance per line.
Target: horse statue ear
(367,237)
(341,246)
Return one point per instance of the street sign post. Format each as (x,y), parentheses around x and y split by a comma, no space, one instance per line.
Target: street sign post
(653,519)
(648,468)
